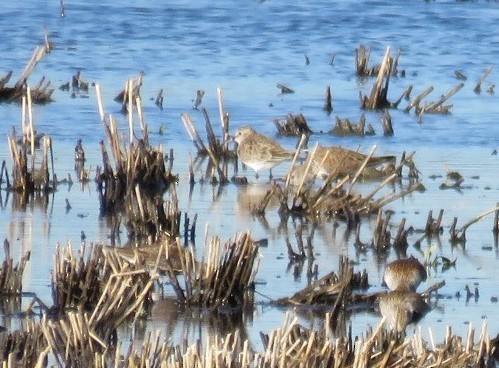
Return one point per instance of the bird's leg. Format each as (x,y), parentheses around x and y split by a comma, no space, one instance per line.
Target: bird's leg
(256,174)
(270,175)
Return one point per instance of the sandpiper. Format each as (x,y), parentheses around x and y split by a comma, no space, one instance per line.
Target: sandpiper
(401,307)
(258,151)
(341,161)
(404,274)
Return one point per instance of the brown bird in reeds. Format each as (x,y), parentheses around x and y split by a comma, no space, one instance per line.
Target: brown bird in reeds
(401,307)
(404,274)
(258,151)
(341,161)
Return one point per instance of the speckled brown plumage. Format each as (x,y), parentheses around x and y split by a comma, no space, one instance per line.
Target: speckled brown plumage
(258,151)
(402,307)
(341,161)
(404,274)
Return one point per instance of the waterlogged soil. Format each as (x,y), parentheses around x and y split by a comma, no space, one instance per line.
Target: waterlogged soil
(246,50)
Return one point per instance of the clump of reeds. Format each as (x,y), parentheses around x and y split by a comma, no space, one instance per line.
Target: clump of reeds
(92,281)
(25,347)
(40,93)
(362,56)
(11,276)
(223,280)
(332,289)
(139,178)
(77,279)
(30,174)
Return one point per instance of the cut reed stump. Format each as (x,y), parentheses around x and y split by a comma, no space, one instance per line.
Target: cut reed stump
(292,125)
(378,99)
(346,128)
(328,101)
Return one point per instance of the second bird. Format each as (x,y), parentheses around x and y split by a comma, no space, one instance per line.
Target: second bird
(341,161)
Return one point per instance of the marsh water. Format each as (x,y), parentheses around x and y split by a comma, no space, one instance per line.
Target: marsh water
(246,48)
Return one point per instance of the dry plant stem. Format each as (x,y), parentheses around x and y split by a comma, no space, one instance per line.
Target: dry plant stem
(381,185)
(99,103)
(309,163)
(193,134)
(359,172)
(35,58)
(432,288)
(322,198)
(129,89)
(140,113)
(418,99)
(478,86)
(439,103)
(384,201)
(295,157)
(31,128)
(224,122)
(476,219)
(374,101)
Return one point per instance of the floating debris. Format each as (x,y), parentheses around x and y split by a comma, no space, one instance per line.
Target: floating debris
(284,89)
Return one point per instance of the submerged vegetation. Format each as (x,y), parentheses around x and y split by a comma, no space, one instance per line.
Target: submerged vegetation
(99,288)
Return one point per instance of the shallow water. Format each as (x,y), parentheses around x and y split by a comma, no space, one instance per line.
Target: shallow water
(247,48)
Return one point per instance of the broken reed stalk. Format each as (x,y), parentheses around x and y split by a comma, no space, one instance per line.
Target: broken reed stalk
(390,198)
(38,54)
(378,96)
(361,169)
(129,106)
(224,120)
(362,55)
(309,164)
(463,229)
(99,103)
(193,134)
(31,128)
(478,86)
(437,107)
(328,104)
(418,99)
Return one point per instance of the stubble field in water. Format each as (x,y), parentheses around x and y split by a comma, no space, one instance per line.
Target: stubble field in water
(246,48)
